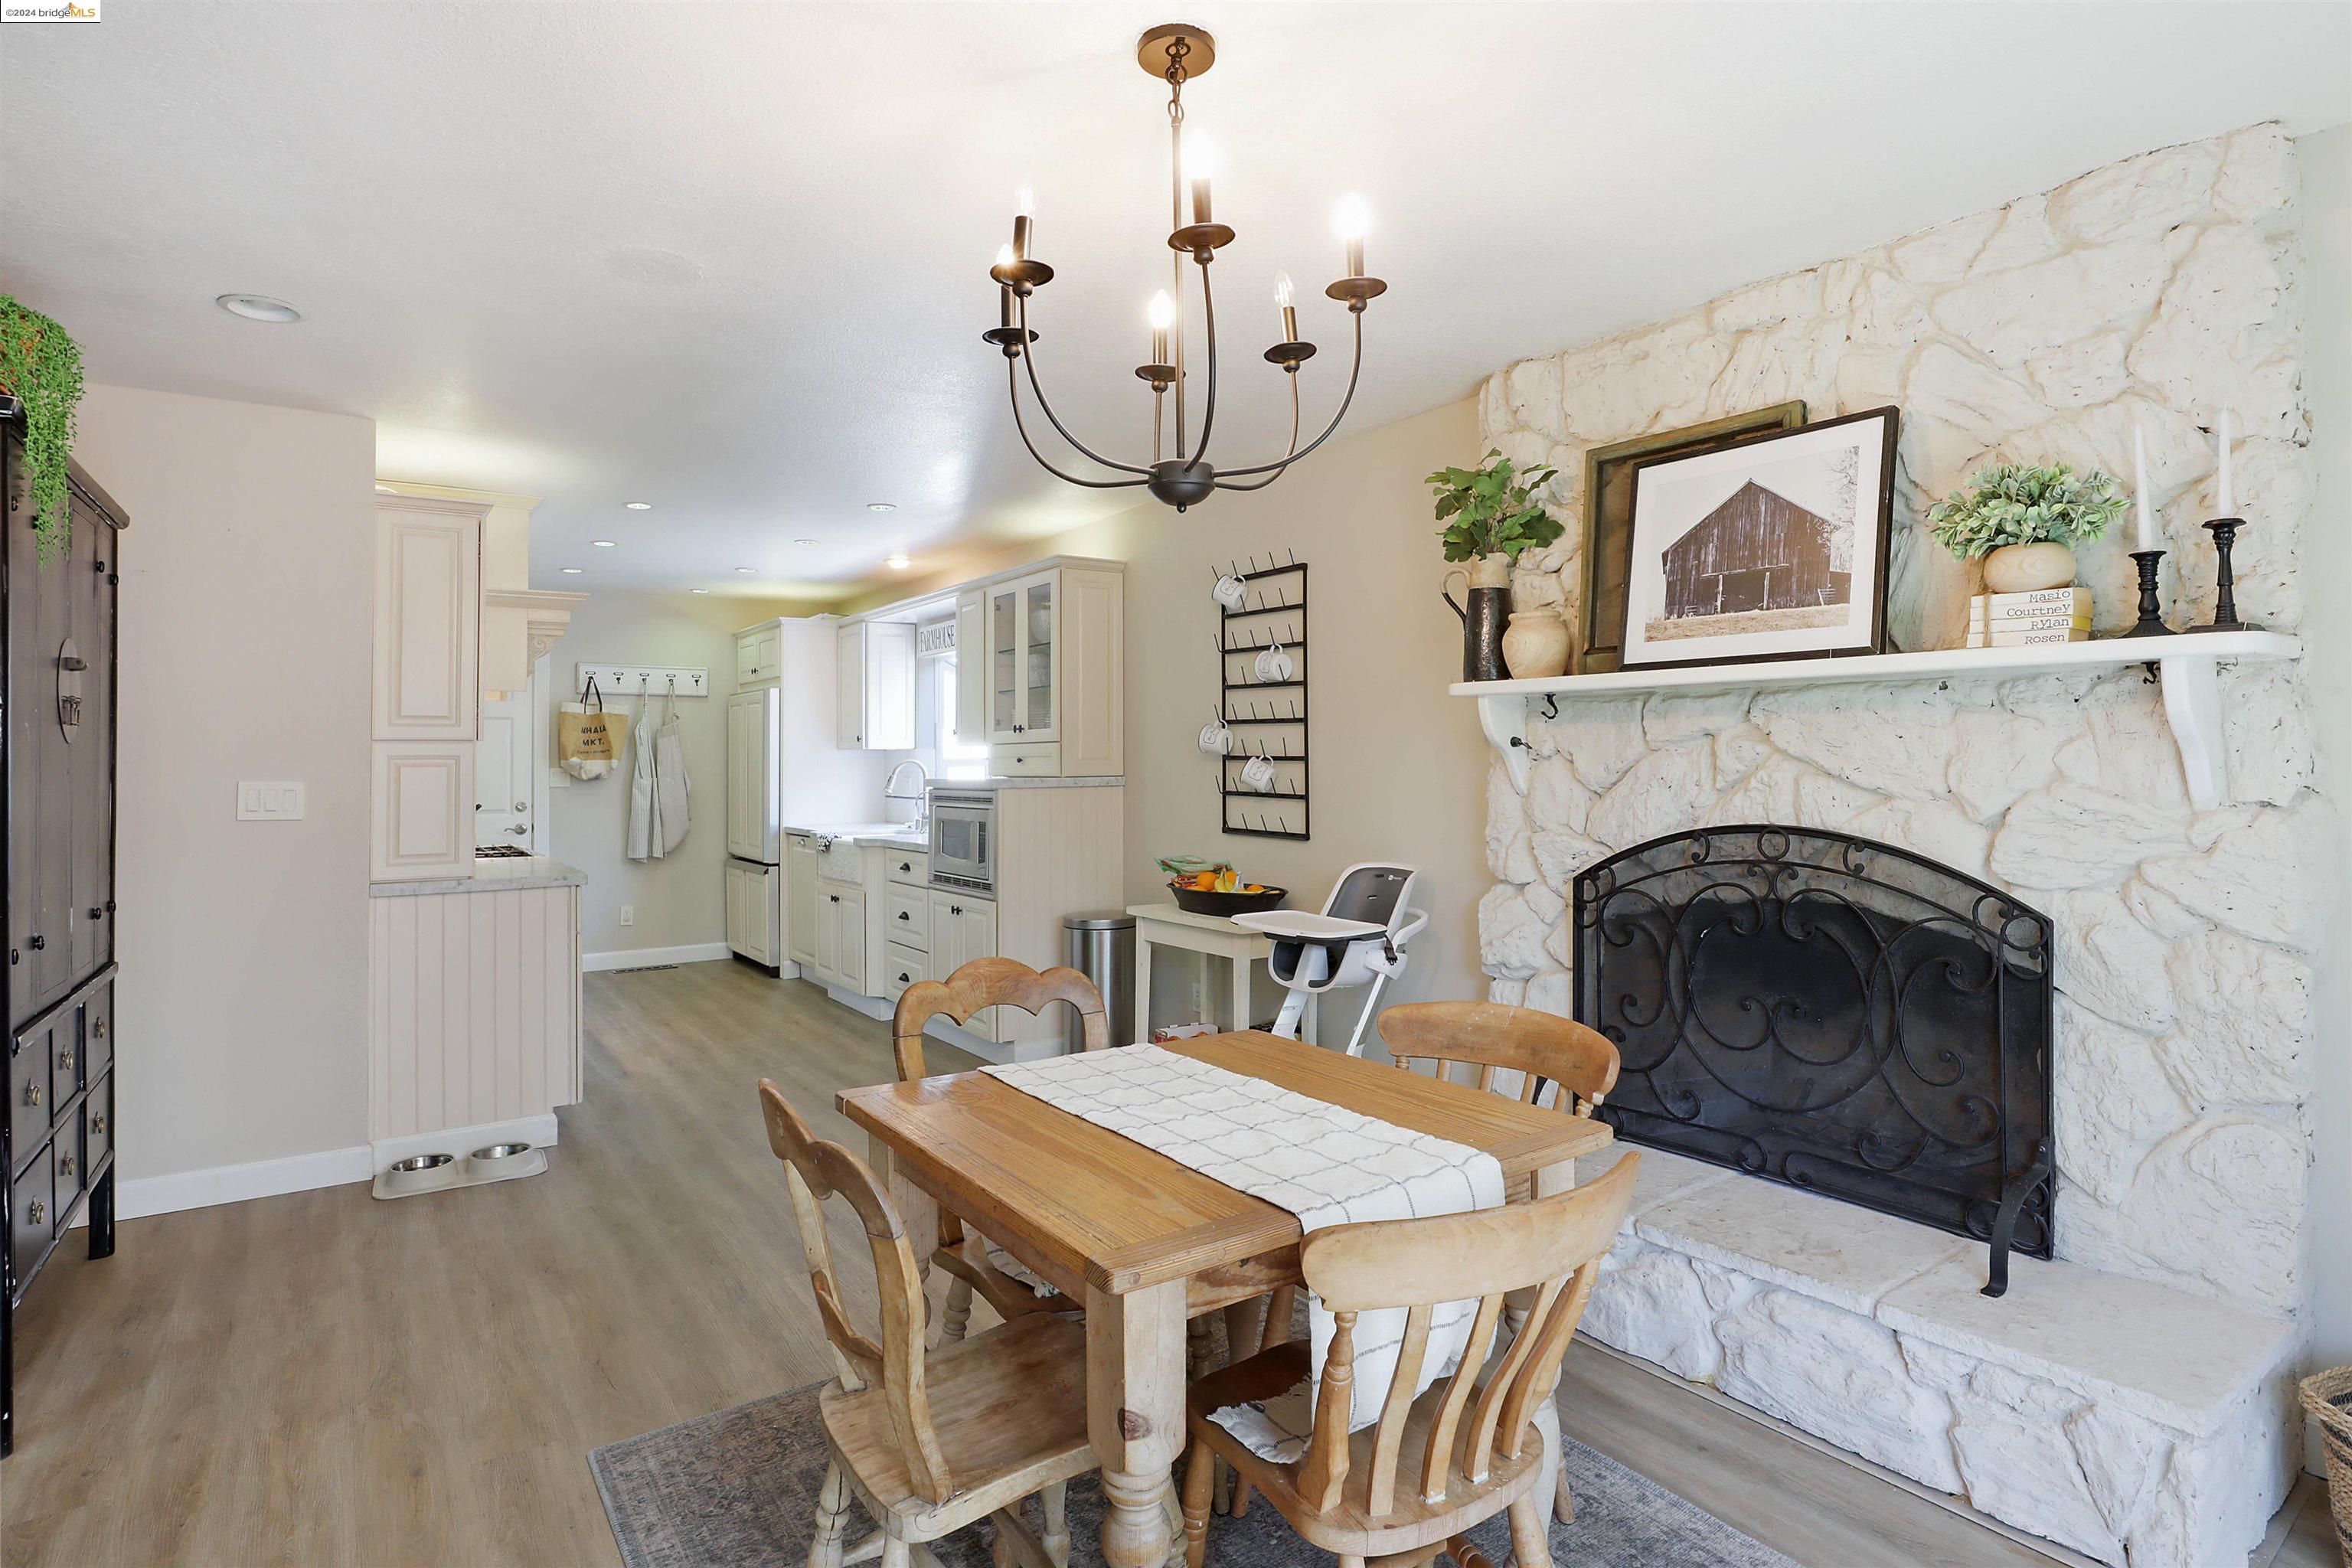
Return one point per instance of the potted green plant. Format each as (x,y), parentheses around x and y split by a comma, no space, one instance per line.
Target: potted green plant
(1491,518)
(40,368)
(2023,522)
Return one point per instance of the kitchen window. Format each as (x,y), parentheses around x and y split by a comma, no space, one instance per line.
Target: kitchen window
(959,758)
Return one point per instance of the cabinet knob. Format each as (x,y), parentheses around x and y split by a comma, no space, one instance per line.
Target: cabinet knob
(37,942)
(32,1094)
(902,914)
(65,1165)
(37,1211)
(64,1059)
(906,865)
(97,1029)
(98,1122)
(903,978)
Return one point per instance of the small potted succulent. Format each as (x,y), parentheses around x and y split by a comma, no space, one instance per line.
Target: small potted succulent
(1491,519)
(2022,520)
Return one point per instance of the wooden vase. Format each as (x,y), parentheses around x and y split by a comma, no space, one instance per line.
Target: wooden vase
(2026,568)
(1536,645)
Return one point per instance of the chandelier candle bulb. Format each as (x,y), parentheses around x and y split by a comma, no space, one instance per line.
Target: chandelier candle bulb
(1353,221)
(1024,209)
(1161,313)
(1289,311)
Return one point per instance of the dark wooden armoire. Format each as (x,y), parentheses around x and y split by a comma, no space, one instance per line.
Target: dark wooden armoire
(57,780)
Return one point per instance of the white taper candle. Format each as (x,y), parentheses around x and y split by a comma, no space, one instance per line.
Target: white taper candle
(2140,489)
(2225,503)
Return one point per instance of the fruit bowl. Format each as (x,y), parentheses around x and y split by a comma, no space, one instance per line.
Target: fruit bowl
(1200,901)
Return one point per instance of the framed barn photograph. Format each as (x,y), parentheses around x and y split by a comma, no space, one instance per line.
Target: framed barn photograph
(1773,549)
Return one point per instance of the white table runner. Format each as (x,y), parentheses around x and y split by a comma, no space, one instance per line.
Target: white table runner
(1325,1164)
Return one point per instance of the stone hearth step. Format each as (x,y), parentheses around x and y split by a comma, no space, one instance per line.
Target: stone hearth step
(2119,1417)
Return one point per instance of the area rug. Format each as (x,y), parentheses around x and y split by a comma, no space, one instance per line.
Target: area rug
(738,1489)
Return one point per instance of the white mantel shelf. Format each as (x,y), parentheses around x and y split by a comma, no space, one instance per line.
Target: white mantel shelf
(2187,663)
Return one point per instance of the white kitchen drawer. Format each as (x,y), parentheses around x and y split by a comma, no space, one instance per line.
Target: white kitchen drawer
(1015,760)
(911,867)
(901,967)
(907,917)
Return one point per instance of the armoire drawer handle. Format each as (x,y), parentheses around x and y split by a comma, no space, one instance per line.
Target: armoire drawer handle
(98,1122)
(97,1030)
(32,1094)
(65,1060)
(65,1165)
(37,1211)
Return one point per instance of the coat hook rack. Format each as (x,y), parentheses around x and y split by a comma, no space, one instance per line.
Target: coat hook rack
(617,681)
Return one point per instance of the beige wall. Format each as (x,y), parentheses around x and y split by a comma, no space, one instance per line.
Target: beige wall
(245,615)
(1400,768)
(681,899)
(2326,159)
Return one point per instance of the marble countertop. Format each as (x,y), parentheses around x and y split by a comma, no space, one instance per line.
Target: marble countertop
(1112,781)
(881,835)
(500,876)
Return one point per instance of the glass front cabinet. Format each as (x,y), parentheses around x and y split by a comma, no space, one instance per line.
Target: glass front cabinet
(1054,665)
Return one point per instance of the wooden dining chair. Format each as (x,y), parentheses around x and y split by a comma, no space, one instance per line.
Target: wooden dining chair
(1473,1444)
(931,1443)
(973,1264)
(1494,1038)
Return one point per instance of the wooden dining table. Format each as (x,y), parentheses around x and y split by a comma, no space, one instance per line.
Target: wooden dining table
(1149,1243)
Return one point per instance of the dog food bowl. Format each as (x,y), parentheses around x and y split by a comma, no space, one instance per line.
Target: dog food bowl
(496,1160)
(420,1173)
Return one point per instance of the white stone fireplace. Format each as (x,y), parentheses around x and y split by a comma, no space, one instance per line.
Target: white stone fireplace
(2131,1399)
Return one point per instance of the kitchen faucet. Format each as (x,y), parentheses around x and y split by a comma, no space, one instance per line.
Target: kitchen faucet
(890,790)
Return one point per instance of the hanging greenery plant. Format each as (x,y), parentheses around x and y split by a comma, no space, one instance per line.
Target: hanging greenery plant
(40,366)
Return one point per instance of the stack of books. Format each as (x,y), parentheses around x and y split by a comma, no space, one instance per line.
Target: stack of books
(2022,620)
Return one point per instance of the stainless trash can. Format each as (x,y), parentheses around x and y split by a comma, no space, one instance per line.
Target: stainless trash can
(1100,945)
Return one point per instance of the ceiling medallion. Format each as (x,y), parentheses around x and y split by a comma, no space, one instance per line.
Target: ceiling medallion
(1176,53)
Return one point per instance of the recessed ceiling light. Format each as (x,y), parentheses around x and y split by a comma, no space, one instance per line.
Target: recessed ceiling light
(746,571)
(257,307)
(573,570)
(881,505)
(697,589)
(803,541)
(897,562)
(640,505)
(604,543)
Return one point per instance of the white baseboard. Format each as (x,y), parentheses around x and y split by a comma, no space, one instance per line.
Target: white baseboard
(462,1141)
(964,1039)
(872,1006)
(647,957)
(236,1184)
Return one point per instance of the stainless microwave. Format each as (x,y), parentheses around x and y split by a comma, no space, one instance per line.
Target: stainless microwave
(963,840)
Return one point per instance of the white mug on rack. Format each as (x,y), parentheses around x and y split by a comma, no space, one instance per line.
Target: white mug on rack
(1274,666)
(1257,774)
(1231,591)
(1215,738)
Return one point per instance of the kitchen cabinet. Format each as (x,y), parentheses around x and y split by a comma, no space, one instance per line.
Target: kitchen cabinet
(962,927)
(752,895)
(840,957)
(426,701)
(971,654)
(1054,669)
(759,655)
(874,693)
(754,786)
(800,894)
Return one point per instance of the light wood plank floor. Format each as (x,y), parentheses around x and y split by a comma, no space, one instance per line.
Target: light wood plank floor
(323,1379)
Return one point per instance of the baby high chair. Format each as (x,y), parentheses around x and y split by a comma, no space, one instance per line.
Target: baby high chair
(1359,939)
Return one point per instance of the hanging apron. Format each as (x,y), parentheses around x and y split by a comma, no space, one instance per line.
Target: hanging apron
(671,787)
(645,800)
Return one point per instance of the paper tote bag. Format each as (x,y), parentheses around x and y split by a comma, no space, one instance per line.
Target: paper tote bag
(588,739)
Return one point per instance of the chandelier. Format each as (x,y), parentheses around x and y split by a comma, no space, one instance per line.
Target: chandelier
(1176,53)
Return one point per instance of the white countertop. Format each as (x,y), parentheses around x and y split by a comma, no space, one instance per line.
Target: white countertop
(500,875)
(1112,781)
(881,835)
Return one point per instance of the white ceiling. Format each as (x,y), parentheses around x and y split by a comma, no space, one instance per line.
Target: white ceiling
(731,259)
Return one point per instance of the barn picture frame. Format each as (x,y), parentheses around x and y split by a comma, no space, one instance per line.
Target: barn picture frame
(1774,548)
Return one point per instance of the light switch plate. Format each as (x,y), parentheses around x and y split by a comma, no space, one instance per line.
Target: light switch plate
(259,801)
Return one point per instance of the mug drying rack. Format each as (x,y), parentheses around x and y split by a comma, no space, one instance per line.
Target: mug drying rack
(1267,718)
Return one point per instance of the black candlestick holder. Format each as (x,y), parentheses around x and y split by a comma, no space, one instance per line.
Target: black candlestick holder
(2224,531)
(2151,609)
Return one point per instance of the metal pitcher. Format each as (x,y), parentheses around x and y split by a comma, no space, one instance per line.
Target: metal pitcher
(1482,620)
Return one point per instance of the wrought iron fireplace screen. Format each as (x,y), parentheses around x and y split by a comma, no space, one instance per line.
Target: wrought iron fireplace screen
(1835,1014)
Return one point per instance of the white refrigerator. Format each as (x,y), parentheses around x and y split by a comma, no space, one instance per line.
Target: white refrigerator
(783,771)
